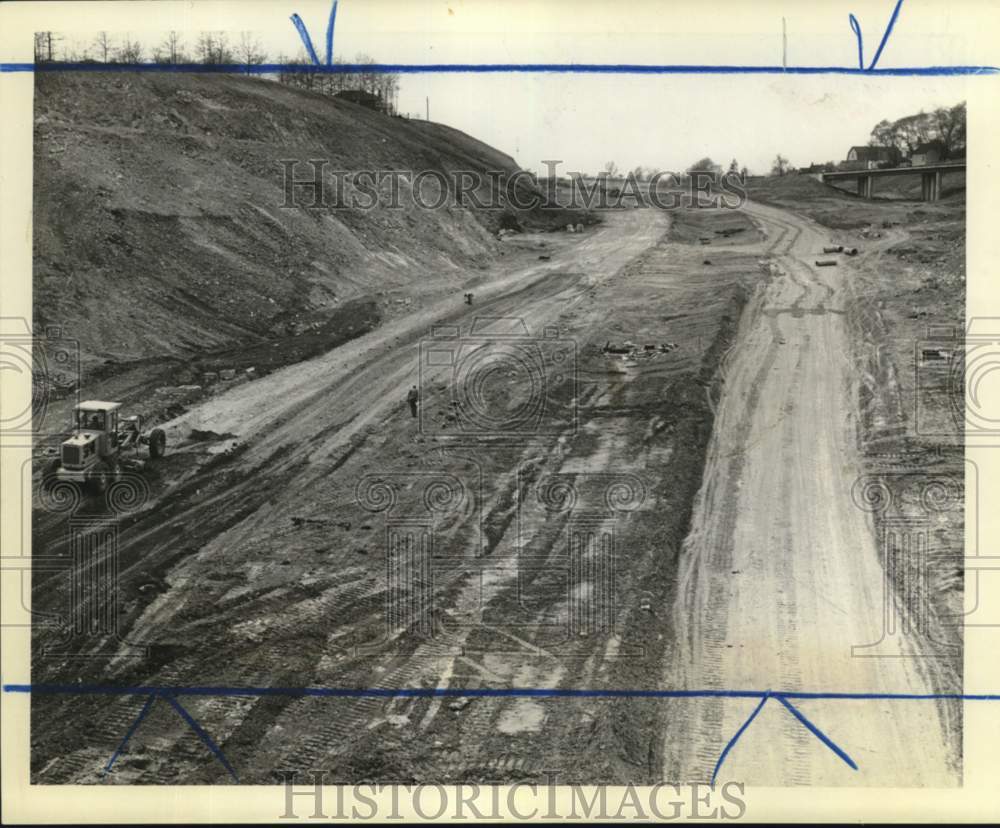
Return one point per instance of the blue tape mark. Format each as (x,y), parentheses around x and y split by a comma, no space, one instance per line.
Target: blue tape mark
(856,27)
(197,728)
(817,732)
(513,692)
(888,31)
(307,40)
(304,34)
(170,694)
(499,68)
(480,68)
(131,731)
(329,34)
(732,742)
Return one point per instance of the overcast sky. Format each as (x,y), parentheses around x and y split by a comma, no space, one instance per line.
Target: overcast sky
(667,121)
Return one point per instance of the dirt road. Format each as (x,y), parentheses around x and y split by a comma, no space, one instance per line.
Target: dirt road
(263,551)
(780,575)
(262,555)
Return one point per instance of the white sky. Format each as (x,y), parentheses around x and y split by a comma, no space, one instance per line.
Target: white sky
(663,121)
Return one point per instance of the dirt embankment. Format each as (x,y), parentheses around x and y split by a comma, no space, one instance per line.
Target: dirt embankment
(906,312)
(160,229)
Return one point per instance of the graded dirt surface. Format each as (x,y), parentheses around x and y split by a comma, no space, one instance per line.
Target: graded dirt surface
(646,480)
(781,585)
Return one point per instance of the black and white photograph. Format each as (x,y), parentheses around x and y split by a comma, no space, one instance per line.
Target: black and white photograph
(515,406)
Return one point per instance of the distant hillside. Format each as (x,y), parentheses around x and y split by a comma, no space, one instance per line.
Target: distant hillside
(157,217)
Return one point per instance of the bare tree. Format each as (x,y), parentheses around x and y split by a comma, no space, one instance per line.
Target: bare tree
(366,80)
(383,85)
(213,48)
(104,45)
(249,51)
(610,169)
(45,46)
(171,49)
(129,52)
(339,81)
(40,50)
(780,165)
(388,86)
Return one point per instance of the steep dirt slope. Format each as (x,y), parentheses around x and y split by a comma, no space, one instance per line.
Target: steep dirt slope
(159,226)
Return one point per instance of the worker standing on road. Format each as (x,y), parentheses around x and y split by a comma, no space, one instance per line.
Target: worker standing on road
(412,398)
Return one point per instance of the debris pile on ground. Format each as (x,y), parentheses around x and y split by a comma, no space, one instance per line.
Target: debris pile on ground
(180,394)
(630,350)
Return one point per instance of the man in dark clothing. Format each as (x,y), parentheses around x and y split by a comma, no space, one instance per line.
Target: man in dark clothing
(412,398)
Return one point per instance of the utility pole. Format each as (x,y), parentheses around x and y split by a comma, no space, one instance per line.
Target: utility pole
(784,44)
(427,110)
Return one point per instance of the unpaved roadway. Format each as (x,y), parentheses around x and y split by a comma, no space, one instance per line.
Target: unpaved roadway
(253,564)
(780,576)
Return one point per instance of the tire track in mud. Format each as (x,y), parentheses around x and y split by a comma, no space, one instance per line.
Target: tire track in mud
(224,503)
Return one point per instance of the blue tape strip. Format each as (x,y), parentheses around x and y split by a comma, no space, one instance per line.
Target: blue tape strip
(131,731)
(197,728)
(515,692)
(817,732)
(732,742)
(888,31)
(170,694)
(497,68)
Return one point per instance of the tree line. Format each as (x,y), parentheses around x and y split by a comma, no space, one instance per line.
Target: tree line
(104,47)
(216,48)
(641,173)
(383,86)
(945,125)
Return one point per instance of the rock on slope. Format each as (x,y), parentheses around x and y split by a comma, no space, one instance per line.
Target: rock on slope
(158,220)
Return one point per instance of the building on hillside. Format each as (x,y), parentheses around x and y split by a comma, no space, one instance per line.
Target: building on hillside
(867,158)
(363,98)
(930,152)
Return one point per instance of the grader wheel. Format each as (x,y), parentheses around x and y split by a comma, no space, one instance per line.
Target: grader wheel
(157,443)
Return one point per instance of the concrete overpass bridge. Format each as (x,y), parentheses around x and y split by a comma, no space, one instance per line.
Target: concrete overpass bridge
(930,175)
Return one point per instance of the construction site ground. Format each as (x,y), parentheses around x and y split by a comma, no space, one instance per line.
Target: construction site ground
(722,459)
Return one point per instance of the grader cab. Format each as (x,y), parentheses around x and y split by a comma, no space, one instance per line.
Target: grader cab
(101,444)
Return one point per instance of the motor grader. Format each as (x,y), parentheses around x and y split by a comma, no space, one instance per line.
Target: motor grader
(101,445)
